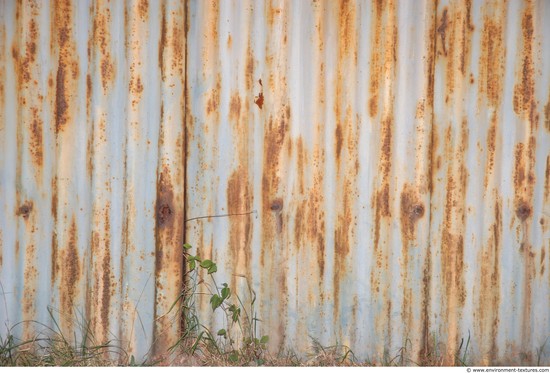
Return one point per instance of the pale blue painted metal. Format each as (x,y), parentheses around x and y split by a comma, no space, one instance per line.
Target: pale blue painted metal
(91,170)
(394,209)
(390,158)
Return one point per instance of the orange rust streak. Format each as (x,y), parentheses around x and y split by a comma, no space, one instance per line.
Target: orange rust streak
(168,261)
(68,67)
(239,200)
(383,70)
(102,38)
(524,91)
(493,53)
(70,275)
(489,287)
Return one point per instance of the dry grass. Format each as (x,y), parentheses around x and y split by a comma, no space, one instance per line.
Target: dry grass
(56,351)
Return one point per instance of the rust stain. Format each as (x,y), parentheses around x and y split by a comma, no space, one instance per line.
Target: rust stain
(104,290)
(527,291)
(107,72)
(136,87)
(383,50)
(30,57)
(24,64)
(162,42)
(542,257)
(178,39)
(60,99)
(442,30)
(30,285)
(420,108)
(523,211)
(165,200)
(259,100)
(339,140)
(229,41)
(143,9)
(249,73)
(235,107)
(524,178)
(524,90)
(275,137)
(70,270)
(487,313)
(36,144)
(90,150)
(493,54)
(491,149)
(425,347)
(168,235)
(213,100)
(273,14)
(343,230)
(347,29)
(239,200)
(452,236)
(456,33)
(25,209)
(383,67)
(67,70)
(547,113)
(547,180)
(519,171)
(412,209)
(54,261)
(102,38)
(54,257)
(381,205)
(346,151)
(465,40)
(89,93)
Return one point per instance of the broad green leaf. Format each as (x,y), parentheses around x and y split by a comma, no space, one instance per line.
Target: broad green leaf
(192,265)
(215,301)
(186,246)
(221,332)
(226,292)
(264,339)
(207,263)
(213,268)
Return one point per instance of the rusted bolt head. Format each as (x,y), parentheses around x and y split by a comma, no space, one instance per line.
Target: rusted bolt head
(523,211)
(25,210)
(164,213)
(276,205)
(417,211)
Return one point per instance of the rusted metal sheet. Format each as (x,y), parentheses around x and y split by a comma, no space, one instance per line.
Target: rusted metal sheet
(91,169)
(395,156)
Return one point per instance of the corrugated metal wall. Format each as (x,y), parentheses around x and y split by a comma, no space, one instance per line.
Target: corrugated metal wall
(396,154)
(92,167)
